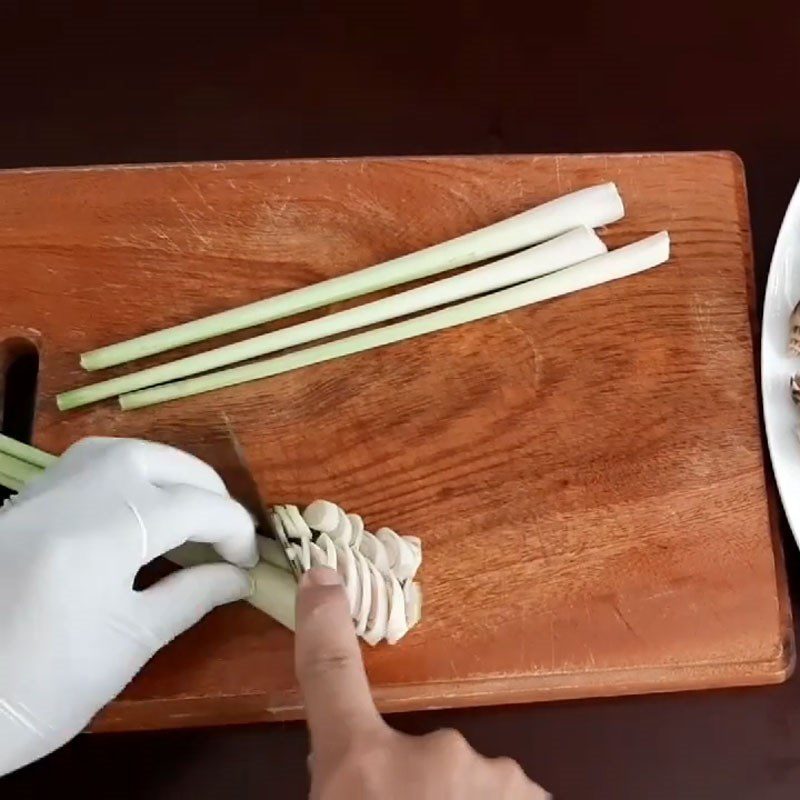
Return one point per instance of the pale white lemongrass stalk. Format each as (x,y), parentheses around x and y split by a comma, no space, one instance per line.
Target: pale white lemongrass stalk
(570,248)
(611,266)
(593,207)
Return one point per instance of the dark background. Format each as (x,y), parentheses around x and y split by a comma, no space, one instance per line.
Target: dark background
(102,83)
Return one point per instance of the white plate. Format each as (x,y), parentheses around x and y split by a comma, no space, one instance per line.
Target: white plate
(777,366)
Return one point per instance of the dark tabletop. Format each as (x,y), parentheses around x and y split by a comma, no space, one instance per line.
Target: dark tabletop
(104,84)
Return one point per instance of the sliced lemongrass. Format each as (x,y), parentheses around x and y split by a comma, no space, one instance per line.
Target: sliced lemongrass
(300,525)
(391,542)
(346,567)
(274,589)
(326,543)
(593,207)
(365,600)
(375,551)
(794,331)
(402,557)
(412,593)
(322,516)
(570,248)
(343,532)
(416,548)
(25,452)
(617,264)
(8,482)
(397,624)
(281,533)
(17,469)
(318,556)
(302,554)
(379,607)
(357,525)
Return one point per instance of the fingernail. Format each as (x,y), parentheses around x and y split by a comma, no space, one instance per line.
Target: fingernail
(321,576)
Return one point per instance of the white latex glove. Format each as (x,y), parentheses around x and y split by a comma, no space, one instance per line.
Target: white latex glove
(72,630)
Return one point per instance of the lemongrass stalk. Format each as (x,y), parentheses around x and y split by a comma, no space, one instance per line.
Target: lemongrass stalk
(593,207)
(25,452)
(11,483)
(18,469)
(569,248)
(611,266)
(274,590)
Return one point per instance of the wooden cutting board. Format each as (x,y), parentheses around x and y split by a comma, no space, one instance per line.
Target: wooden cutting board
(586,475)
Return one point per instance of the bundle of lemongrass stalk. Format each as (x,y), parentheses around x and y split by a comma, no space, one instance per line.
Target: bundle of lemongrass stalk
(377,570)
(554,252)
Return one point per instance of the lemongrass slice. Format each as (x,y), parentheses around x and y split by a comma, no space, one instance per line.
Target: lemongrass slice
(287,523)
(412,593)
(25,452)
(378,609)
(322,516)
(343,532)
(402,558)
(391,542)
(318,558)
(300,525)
(277,523)
(357,525)
(794,331)
(365,601)
(593,207)
(416,548)
(347,568)
(302,551)
(375,551)
(569,248)
(274,589)
(326,543)
(397,624)
(617,264)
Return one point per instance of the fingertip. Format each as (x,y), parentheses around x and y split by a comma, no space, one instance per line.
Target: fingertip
(320,576)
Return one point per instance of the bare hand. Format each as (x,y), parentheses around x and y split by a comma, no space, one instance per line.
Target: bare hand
(354,752)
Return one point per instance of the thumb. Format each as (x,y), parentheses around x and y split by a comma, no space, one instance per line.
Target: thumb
(183,598)
(329,668)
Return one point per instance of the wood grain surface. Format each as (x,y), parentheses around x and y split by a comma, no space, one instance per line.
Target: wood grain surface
(586,475)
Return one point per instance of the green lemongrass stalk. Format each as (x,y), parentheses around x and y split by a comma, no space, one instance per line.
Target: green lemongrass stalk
(11,483)
(620,263)
(569,248)
(592,207)
(18,469)
(274,587)
(25,452)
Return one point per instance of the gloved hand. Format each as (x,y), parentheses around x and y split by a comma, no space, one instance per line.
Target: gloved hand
(72,630)
(354,752)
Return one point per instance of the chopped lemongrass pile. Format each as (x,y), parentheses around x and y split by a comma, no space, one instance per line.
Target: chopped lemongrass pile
(377,570)
(592,207)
